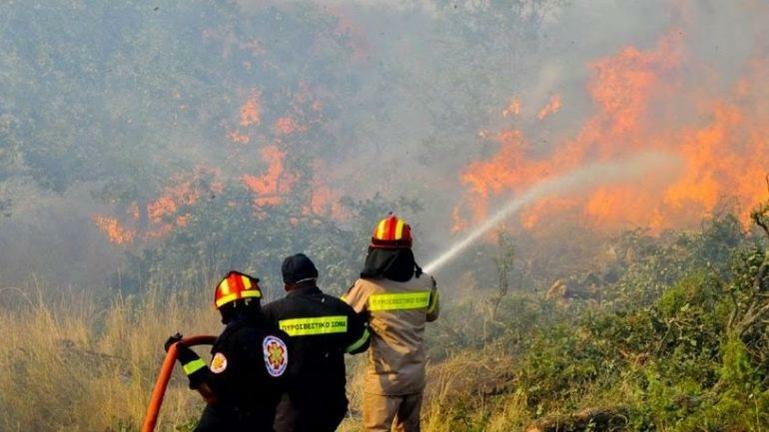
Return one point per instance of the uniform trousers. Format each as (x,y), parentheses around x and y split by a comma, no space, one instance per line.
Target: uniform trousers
(380,411)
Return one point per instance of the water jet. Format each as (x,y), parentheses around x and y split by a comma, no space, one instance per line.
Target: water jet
(583,177)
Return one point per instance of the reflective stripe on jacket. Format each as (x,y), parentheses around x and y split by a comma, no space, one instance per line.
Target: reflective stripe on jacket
(322,328)
(397,314)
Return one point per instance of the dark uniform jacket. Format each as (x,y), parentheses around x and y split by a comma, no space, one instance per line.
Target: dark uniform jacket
(246,376)
(322,329)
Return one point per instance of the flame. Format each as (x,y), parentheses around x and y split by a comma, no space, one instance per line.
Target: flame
(325,200)
(285,126)
(182,220)
(514,108)
(275,182)
(552,107)
(251,111)
(550,209)
(116,233)
(722,140)
(161,207)
(238,137)
(303,109)
(183,191)
(164,213)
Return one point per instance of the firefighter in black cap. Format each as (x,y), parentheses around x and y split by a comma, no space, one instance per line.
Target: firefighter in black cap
(245,379)
(322,329)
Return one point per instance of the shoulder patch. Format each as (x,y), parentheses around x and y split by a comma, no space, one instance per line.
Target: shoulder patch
(275,355)
(218,363)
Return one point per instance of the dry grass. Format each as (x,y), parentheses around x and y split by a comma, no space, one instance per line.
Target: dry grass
(473,391)
(70,365)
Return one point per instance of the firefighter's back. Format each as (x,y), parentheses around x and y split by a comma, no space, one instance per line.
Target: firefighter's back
(398,312)
(317,325)
(321,328)
(248,361)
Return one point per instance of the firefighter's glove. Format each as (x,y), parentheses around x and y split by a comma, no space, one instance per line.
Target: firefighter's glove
(172,340)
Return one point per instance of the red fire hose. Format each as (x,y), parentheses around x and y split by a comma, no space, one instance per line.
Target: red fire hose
(165,375)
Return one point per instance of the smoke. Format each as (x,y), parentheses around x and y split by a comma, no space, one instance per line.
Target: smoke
(455,105)
(624,85)
(571,183)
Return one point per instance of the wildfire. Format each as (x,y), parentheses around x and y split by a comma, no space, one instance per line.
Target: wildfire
(514,108)
(238,137)
(285,126)
(251,112)
(552,107)
(636,93)
(163,214)
(183,191)
(324,199)
(270,186)
(116,233)
(160,216)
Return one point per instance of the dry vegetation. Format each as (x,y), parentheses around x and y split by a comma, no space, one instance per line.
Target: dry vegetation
(675,342)
(75,366)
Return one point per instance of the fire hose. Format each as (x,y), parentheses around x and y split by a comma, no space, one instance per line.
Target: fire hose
(156,400)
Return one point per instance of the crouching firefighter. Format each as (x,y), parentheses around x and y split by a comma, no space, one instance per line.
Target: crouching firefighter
(243,383)
(322,329)
(399,299)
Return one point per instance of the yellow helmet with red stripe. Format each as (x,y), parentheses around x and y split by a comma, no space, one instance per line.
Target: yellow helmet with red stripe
(391,232)
(236,286)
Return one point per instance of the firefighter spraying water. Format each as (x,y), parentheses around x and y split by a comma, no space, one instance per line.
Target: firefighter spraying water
(584,177)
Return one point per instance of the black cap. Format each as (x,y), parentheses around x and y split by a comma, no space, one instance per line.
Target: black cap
(297,268)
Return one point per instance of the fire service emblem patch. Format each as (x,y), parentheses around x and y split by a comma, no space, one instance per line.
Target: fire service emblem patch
(218,363)
(275,355)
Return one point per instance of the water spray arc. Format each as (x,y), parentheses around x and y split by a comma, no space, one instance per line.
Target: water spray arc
(581,178)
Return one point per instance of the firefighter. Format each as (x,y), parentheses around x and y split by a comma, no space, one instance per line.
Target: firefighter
(245,379)
(322,329)
(398,299)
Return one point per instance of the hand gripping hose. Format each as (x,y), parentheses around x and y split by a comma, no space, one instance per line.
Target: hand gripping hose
(165,375)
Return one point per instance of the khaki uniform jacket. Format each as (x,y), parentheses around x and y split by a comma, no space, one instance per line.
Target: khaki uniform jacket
(397,314)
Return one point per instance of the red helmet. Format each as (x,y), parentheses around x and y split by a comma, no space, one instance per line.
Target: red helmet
(391,232)
(236,286)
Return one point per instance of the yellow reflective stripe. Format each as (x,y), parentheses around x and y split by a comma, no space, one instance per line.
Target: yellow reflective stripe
(343,298)
(399,229)
(381,229)
(246,282)
(359,343)
(243,294)
(193,366)
(225,287)
(399,301)
(251,293)
(226,299)
(314,326)
(433,302)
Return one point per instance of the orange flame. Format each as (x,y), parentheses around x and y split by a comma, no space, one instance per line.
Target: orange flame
(552,107)
(285,126)
(275,182)
(251,112)
(514,108)
(238,137)
(167,211)
(164,213)
(325,200)
(116,233)
(635,92)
